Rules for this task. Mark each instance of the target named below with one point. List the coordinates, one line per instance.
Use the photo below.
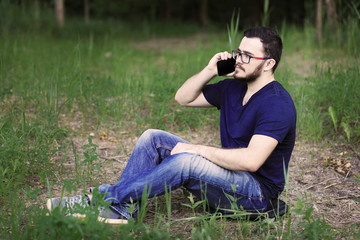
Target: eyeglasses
(245, 58)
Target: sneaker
(109, 216)
(122, 209)
(69, 202)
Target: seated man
(257, 127)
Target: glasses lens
(245, 58)
(235, 54)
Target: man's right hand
(190, 93)
(212, 65)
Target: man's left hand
(184, 147)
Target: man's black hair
(271, 40)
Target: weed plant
(107, 75)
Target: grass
(109, 75)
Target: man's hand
(190, 93)
(184, 147)
(212, 65)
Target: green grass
(111, 75)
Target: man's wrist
(211, 72)
(201, 150)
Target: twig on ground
(347, 174)
(103, 148)
(344, 197)
(333, 184)
(114, 158)
(322, 182)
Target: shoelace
(79, 200)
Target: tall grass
(325, 91)
(107, 75)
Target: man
(257, 128)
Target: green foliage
(350, 28)
(337, 90)
(232, 30)
(266, 15)
(193, 205)
(312, 227)
(91, 161)
(104, 74)
(26, 147)
(144, 198)
(59, 226)
(333, 116)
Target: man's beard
(252, 76)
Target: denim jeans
(151, 165)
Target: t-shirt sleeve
(213, 93)
(275, 118)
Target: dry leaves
(339, 163)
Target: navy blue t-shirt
(270, 112)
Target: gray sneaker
(72, 203)
(69, 202)
(125, 210)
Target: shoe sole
(49, 204)
(83, 216)
(101, 219)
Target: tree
(332, 18)
(87, 11)
(168, 15)
(319, 21)
(60, 12)
(203, 13)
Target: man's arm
(244, 159)
(190, 93)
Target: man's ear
(269, 64)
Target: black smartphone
(225, 66)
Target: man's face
(251, 71)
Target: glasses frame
(237, 53)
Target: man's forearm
(192, 88)
(249, 159)
(232, 159)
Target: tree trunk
(36, 13)
(203, 13)
(319, 21)
(87, 11)
(60, 12)
(332, 18)
(36, 10)
(168, 11)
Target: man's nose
(238, 60)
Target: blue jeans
(151, 164)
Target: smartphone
(225, 66)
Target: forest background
(81, 80)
